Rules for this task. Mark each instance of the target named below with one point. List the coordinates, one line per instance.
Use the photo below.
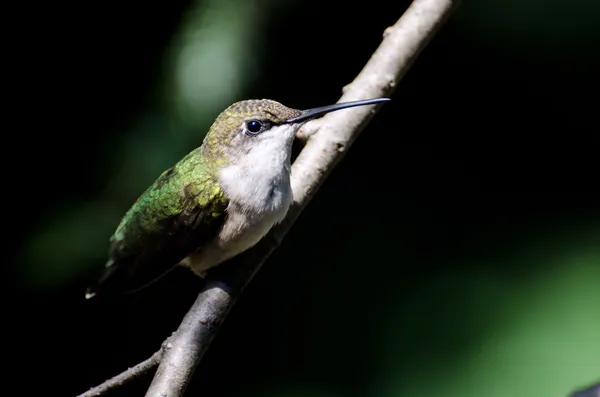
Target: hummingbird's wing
(183, 209)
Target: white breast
(258, 187)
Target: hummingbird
(215, 203)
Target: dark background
(454, 250)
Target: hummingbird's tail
(115, 279)
(107, 275)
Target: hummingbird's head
(250, 126)
(258, 128)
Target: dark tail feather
(133, 290)
(116, 279)
(100, 285)
(90, 292)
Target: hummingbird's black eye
(254, 126)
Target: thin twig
(125, 377)
(328, 140)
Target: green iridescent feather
(182, 209)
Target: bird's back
(179, 212)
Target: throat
(258, 186)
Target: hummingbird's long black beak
(316, 112)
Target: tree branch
(126, 376)
(327, 142)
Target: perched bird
(217, 201)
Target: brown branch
(126, 376)
(328, 139)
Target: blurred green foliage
(534, 337)
(554, 28)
